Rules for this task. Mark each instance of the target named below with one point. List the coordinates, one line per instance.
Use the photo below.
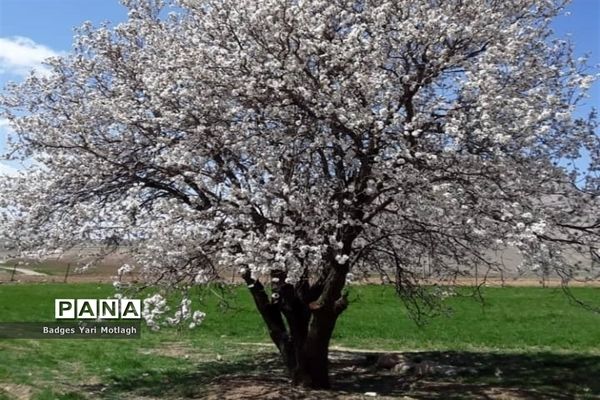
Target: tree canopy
(300, 141)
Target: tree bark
(311, 313)
(312, 363)
(312, 366)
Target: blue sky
(31, 30)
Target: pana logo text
(97, 308)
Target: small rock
(389, 360)
(371, 394)
(403, 367)
(426, 368)
(450, 371)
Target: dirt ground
(67, 270)
(107, 274)
(357, 375)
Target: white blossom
(403, 131)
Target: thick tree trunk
(312, 366)
(311, 313)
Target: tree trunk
(311, 314)
(312, 366)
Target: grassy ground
(531, 342)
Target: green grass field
(537, 338)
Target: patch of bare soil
(411, 375)
(179, 350)
(108, 278)
(423, 375)
(88, 277)
(16, 392)
(106, 274)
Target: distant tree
(299, 141)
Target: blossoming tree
(299, 141)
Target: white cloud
(19, 55)
(5, 131)
(8, 170)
